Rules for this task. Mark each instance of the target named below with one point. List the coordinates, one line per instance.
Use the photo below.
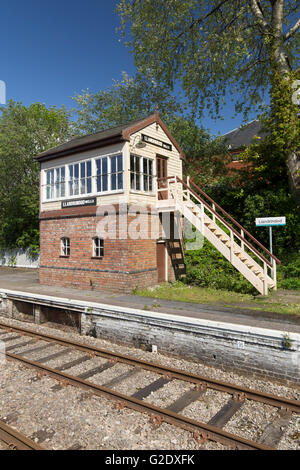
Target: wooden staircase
(176, 252)
(222, 231)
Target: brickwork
(126, 264)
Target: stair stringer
(196, 220)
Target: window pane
(138, 182)
(146, 183)
(65, 245)
(132, 180)
(82, 169)
(89, 168)
(48, 176)
(120, 163)
(105, 182)
(89, 185)
(104, 166)
(98, 247)
(120, 180)
(113, 164)
(164, 168)
(113, 182)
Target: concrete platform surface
(26, 280)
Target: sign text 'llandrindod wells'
(158, 143)
(91, 201)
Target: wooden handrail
(236, 223)
(226, 223)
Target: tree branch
(259, 15)
(292, 30)
(200, 20)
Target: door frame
(163, 242)
(161, 185)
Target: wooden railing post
(202, 218)
(274, 274)
(265, 279)
(231, 245)
(214, 217)
(242, 243)
(188, 190)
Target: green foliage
(24, 133)
(212, 48)
(205, 161)
(208, 268)
(126, 100)
(287, 341)
(258, 199)
(288, 274)
(281, 124)
(135, 97)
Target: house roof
(243, 136)
(107, 137)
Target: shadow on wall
(19, 258)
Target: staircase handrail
(246, 242)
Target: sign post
(270, 222)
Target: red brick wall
(126, 263)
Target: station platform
(26, 280)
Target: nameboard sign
(158, 143)
(270, 221)
(79, 202)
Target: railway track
(139, 400)
(14, 440)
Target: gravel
(67, 417)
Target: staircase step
(220, 235)
(249, 264)
(175, 251)
(254, 272)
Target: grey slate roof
(243, 136)
(114, 132)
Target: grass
(184, 293)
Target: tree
(126, 100)
(213, 47)
(135, 97)
(243, 47)
(24, 133)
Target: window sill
(97, 257)
(64, 256)
(144, 193)
(84, 196)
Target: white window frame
(98, 244)
(81, 181)
(110, 174)
(67, 180)
(140, 175)
(65, 247)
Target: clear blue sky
(51, 50)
